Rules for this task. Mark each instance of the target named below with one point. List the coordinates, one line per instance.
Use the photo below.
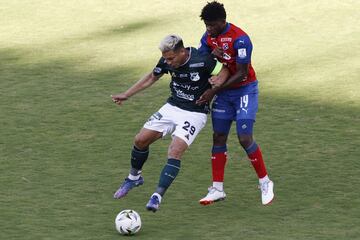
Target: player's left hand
(218, 52)
(206, 97)
(215, 81)
(119, 98)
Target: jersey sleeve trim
(203, 47)
(217, 68)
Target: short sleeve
(203, 46)
(211, 65)
(160, 68)
(243, 48)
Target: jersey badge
(157, 70)
(225, 46)
(194, 76)
(226, 56)
(242, 52)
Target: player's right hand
(215, 81)
(218, 52)
(119, 98)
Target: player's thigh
(222, 107)
(222, 114)
(188, 125)
(146, 137)
(161, 121)
(246, 103)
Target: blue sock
(168, 174)
(138, 158)
(252, 148)
(219, 149)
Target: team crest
(225, 46)
(194, 76)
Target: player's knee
(177, 149)
(245, 140)
(219, 139)
(175, 153)
(140, 142)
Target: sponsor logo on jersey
(218, 110)
(181, 94)
(194, 76)
(183, 75)
(226, 39)
(195, 65)
(156, 116)
(157, 70)
(226, 56)
(242, 52)
(225, 46)
(169, 175)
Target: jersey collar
(187, 60)
(226, 28)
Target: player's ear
(182, 51)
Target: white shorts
(177, 122)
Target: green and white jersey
(189, 81)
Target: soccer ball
(128, 222)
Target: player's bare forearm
(140, 85)
(239, 76)
(219, 79)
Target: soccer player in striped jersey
(236, 99)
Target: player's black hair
(213, 11)
(179, 45)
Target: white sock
(264, 179)
(132, 177)
(219, 186)
(158, 195)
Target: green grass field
(65, 147)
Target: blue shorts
(238, 105)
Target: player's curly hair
(213, 11)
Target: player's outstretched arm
(143, 83)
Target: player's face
(215, 28)
(175, 58)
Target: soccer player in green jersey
(182, 116)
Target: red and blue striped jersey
(237, 48)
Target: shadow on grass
(61, 131)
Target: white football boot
(213, 195)
(267, 192)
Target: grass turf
(65, 146)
